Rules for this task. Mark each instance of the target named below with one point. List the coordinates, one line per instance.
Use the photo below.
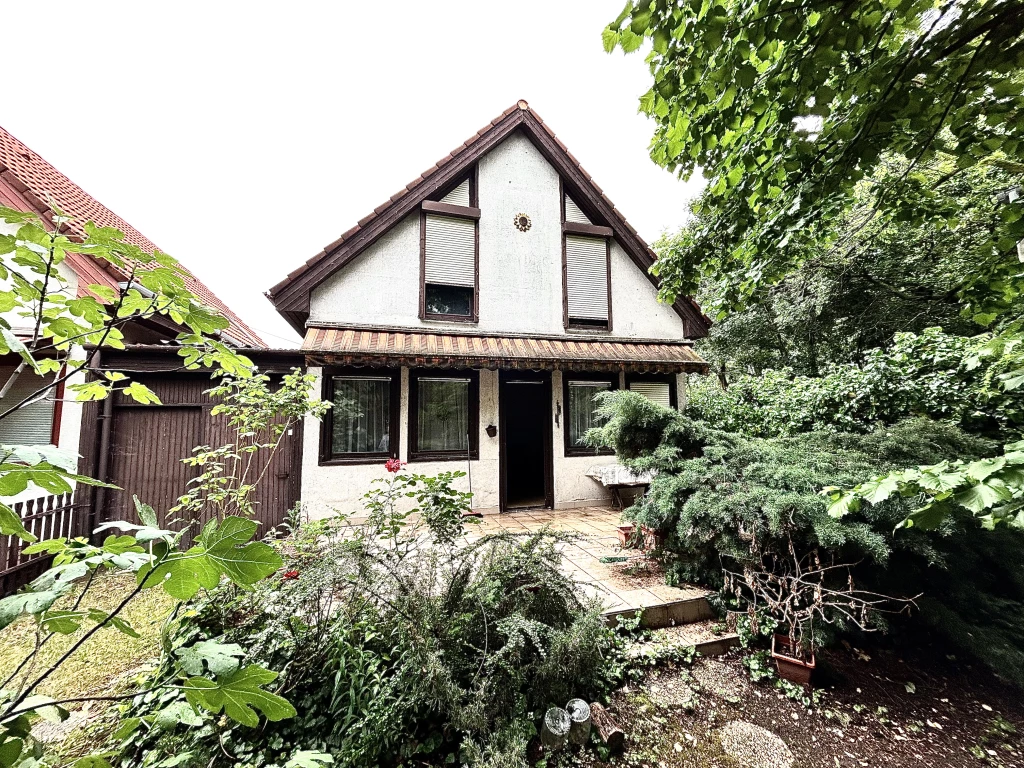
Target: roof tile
(357, 346)
(44, 185)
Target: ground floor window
(362, 424)
(658, 388)
(443, 414)
(581, 410)
(34, 423)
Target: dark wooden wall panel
(149, 442)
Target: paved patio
(636, 583)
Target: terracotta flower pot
(793, 664)
(625, 533)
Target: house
(468, 322)
(30, 183)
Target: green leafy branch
(991, 490)
(224, 549)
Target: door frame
(544, 377)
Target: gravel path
(753, 746)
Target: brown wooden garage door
(148, 443)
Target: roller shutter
(32, 425)
(573, 212)
(459, 195)
(586, 277)
(449, 255)
(656, 391)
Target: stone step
(701, 635)
(669, 614)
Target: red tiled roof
(291, 295)
(28, 182)
(355, 346)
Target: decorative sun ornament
(522, 222)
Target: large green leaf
(982, 496)
(27, 603)
(929, 517)
(879, 488)
(982, 468)
(10, 750)
(240, 695)
(11, 525)
(178, 712)
(220, 658)
(222, 549)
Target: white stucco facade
(329, 489)
(520, 293)
(520, 272)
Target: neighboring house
(29, 183)
(468, 322)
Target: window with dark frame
(32, 424)
(579, 393)
(449, 245)
(444, 409)
(586, 270)
(362, 424)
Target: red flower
(290, 575)
(393, 465)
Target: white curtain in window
(361, 415)
(582, 408)
(442, 419)
(33, 424)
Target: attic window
(587, 288)
(459, 195)
(586, 270)
(448, 251)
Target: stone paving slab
(636, 583)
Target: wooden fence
(49, 517)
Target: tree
(839, 303)
(790, 107)
(62, 323)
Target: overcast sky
(243, 137)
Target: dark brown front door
(524, 402)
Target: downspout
(10, 382)
(99, 493)
(100, 496)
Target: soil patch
(880, 707)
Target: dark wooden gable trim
(291, 296)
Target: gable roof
(28, 182)
(291, 295)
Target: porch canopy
(444, 349)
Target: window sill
(571, 453)
(450, 319)
(342, 462)
(587, 329)
(447, 456)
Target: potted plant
(802, 594)
(625, 532)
